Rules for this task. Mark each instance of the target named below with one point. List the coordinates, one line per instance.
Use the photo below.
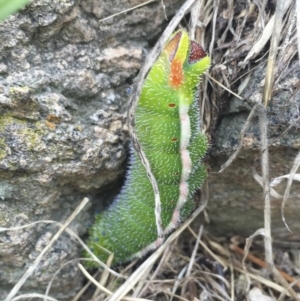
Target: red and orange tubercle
(180, 50)
(176, 51)
(196, 53)
(176, 76)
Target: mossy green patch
(6, 120)
(32, 137)
(2, 149)
(30, 133)
(18, 92)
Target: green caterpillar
(168, 130)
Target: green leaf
(8, 7)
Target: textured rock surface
(63, 81)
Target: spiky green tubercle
(168, 130)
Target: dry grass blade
(193, 258)
(144, 287)
(225, 88)
(217, 288)
(298, 26)
(286, 130)
(266, 190)
(55, 275)
(285, 293)
(176, 296)
(259, 180)
(255, 275)
(278, 180)
(102, 288)
(105, 274)
(218, 277)
(214, 22)
(31, 269)
(273, 51)
(210, 252)
(83, 290)
(93, 280)
(264, 145)
(230, 10)
(127, 10)
(195, 12)
(266, 35)
(242, 134)
(33, 295)
(287, 39)
(177, 282)
(246, 251)
(267, 203)
(288, 187)
(142, 282)
(264, 281)
(138, 274)
(73, 235)
(232, 292)
(164, 9)
(262, 263)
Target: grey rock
(236, 199)
(63, 102)
(63, 133)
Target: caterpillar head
(187, 60)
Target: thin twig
(224, 87)
(127, 10)
(33, 295)
(101, 287)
